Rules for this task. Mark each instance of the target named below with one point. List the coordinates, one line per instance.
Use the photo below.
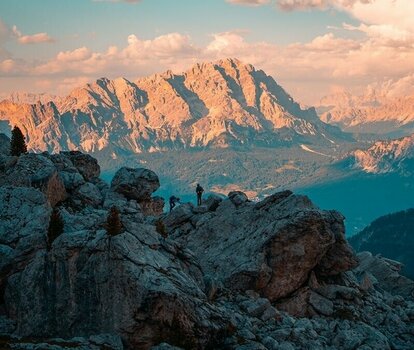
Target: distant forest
(392, 236)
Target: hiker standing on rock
(199, 191)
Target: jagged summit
(213, 104)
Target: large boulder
(35, 170)
(278, 243)
(136, 184)
(86, 164)
(88, 194)
(133, 285)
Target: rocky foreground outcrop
(229, 274)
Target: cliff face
(216, 104)
(228, 274)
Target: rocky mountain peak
(213, 104)
(387, 156)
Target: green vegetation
(160, 228)
(113, 222)
(56, 226)
(392, 236)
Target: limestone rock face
(212, 104)
(24, 218)
(136, 184)
(278, 242)
(386, 157)
(4, 144)
(233, 274)
(86, 165)
(386, 273)
(31, 170)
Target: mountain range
(217, 104)
(377, 111)
(387, 156)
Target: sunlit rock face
(387, 156)
(216, 104)
(273, 274)
(374, 111)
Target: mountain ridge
(215, 104)
(378, 110)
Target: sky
(311, 47)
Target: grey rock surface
(136, 184)
(34, 170)
(86, 164)
(277, 245)
(232, 274)
(4, 145)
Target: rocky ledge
(229, 274)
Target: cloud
(248, 2)
(32, 39)
(292, 5)
(36, 39)
(307, 69)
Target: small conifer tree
(160, 228)
(17, 143)
(113, 222)
(56, 226)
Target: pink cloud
(36, 39)
(307, 69)
(248, 2)
(32, 39)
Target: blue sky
(54, 45)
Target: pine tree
(113, 222)
(17, 143)
(56, 226)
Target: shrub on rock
(56, 226)
(113, 222)
(160, 228)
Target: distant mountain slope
(392, 236)
(32, 98)
(387, 156)
(216, 104)
(378, 112)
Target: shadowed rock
(136, 184)
(86, 165)
(33, 170)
